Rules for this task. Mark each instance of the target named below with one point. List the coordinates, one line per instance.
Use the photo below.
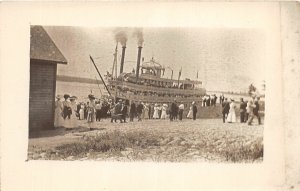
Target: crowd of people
(68, 112)
(211, 100)
(248, 110)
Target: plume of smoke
(138, 33)
(121, 36)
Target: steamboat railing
(159, 90)
(155, 99)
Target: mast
(100, 75)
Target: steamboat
(147, 83)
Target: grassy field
(203, 140)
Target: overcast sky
(228, 59)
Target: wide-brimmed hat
(73, 97)
(91, 96)
(66, 96)
(59, 96)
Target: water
(80, 90)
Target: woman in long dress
(67, 111)
(164, 111)
(231, 118)
(190, 113)
(155, 115)
(73, 118)
(81, 112)
(91, 109)
(146, 110)
(151, 110)
(58, 117)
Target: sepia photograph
(154, 95)
(158, 94)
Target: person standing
(67, 111)
(117, 111)
(253, 108)
(81, 111)
(180, 113)
(146, 108)
(243, 106)
(190, 113)
(256, 110)
(139, 111)
(98, 111)
(78, 109)
(231, 118)
(91, 112)
(58, 116)
(144, 111)
(225, 109)
(164, 111)
(215, 100)
(176, 112)
(124, 111)
(195, 110)
(212, 100)
(159, 110)
(151, 111)
(155, 114)
(208, 101)
(204, 101)
(73, 117)
(86, 106)
(132, 111)
(173, 110)
(250, 107)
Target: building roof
(43, 48)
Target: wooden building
(44, 57)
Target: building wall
(42, 95)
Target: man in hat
(132, 111)
(67, 111)
(254, 108)
(225, 109)
(243, 106)
(118, 111)
(181, 108)
(173, 109)
(124, 111)
(98, 111)
(139, 111)
(195, 110)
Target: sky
(227, 59)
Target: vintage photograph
(147, 94)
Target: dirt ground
(206, 140)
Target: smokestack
(138, 62)
(122, 59)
